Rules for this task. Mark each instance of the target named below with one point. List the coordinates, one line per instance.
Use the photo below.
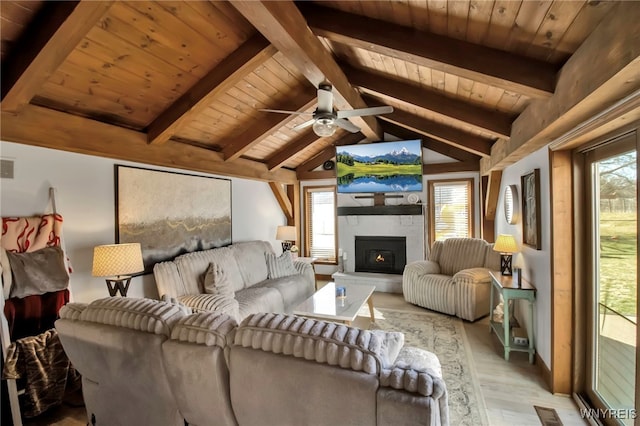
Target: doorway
(612, 278)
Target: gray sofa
(148, 362)
(245, 266)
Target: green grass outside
(361, 169)
(618, 265)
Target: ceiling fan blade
(365, 111)
(347, 125)
(303, 125)
(325, 99)
(281, 111)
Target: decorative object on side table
(506, 245)
(117, 261)
(286, 234)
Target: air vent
(6, 169)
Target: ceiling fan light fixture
(324, 127)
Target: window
(320, 222)
(450, 209)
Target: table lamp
(117, 261)
(286, 234)
(506, 245)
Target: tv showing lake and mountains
(380, 167)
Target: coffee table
(325, 305)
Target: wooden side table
(509, 290)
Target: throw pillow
(216, 281)
(281, 266)
(37, 272)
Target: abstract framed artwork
(531, 226)
(171, 213)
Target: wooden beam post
(562, 276)
(283, 200)
(493, 194)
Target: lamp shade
(114, 260)
(286, 233)
(505, 243)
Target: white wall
(536, 263)
(85, 198)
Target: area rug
(445, 336)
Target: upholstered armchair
(455, 280)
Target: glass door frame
(597, 152)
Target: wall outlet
(519, 336)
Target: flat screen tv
(380, 167)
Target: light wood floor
(510, 389)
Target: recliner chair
(455, 280)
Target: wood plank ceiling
(181, 83)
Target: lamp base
(505, 264)
(118, 285)
(286, 245)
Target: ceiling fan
(326, 120)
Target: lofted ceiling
(182, 83)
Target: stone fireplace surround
(393, 221)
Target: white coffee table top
(324, 303)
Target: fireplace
(387, 255)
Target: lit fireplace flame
(379, 258)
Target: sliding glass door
(611, 180)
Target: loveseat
(455, 280)
(149, 362)
(250, 278)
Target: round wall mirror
(511, 204)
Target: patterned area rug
(444, 336)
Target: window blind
(451, 209)
(320, 223)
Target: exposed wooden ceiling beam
(277, 159)
(585, 88)
(47, 128)
(462, 166)
(329, 152)
(489, 120)
(451, 135)
(497, 68)
(317, 175)
(218, 81)
(430, 143)
(268, 123)
(282, 23)
(55, 31)
(493, 193)
(283, 199)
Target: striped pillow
(216, 281)
(281, 266)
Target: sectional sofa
(148, 362)
(255, 284)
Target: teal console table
(504, 285)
